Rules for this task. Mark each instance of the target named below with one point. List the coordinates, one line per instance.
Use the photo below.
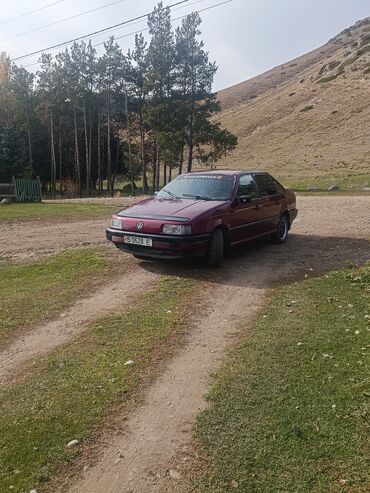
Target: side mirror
(243, 199)
(155, 194)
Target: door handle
(258, 206)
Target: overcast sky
(245, 37)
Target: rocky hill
(307, 121)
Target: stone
(175, 474)
(333, 188)
(312, 188)
(72, 443)
(129, 363)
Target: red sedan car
(203, 213)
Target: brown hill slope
(307, 120)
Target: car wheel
(216, 249)
(282, 231)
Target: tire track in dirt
(156, 436)
(36, 343)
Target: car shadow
(262, 264)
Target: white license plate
(137, 240)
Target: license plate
(137, 240)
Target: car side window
(266, 185)
(279, 188)
(247, 186)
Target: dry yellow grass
(308, 119)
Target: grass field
(67, 396)
(348, 183)
(289, 412)
(35, 291)
(38, 211)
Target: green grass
(72, 390)
(346, 183)
(35, 291)
(38, 211)
(289, 412)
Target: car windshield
(199, 187)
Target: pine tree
(48, 98)
(136, 76)
(21, 84)
(197, 102)
(13, 157)
(161, 59)
(111, 77)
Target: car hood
(175, 209)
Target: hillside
(309, 119)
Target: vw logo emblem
(140, 225)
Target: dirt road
(150, 452)
(321, 215)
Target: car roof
(225, 172)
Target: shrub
(330, 77)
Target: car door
(272, 197)
(246, 215)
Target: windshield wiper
(171, 194)
(196, 197)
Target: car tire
(216, 249)
(282, 231)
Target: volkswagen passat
(202, 213)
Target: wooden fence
(7, 191)
(22, 190)
(27, 190)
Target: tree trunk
(142, 151)
(100, 182)
(115, 167)
(77, 154)
(191, 136)
(157, 168)
(154, 164)
(129, 146)
(53, 160)
(165, 174)
(30, 157)
(87, 159)
(109, 153)
(60, 158)
(169, 174)
(181, 163)
(90, 144)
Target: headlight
(116, 223)
(176, 229)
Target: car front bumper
(163, 246)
